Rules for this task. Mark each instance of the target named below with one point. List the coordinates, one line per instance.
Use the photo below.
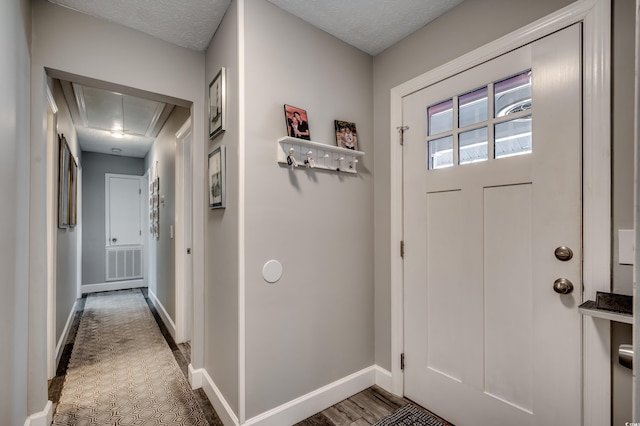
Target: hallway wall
(95, 165)
(315, 325)
(221, 292)
(15, 38)
(163, 152)
(67, 238)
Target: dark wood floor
(364, 408)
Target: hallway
(121, 366)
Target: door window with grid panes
(490, 122)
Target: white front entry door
(123, 210)
(492, 186)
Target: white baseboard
(113, 285)
(166, 319)
(223, 409)
(384, 379)
(43, 418)
(65, 333)
(292, 411)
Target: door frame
(183, 290)
(595, 15)
(52, 230)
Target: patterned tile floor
(112, 374)
(364, 408)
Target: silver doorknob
(563, 253)
(562, 286)
(113, 240)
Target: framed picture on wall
(217, 195)
(346, 135)
(297, 122)
(63, 182)
(217, 89)
(73, 192)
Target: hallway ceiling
(369, 25)
(99, 114)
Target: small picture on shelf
(297, 122)
(346, 135)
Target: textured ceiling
(189, 24)
(370, 25)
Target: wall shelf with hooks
(296, 152)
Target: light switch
(625, 246)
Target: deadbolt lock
(563, 253)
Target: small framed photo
(346, 135)
(217, 89)
(217, 195)
(297, 122)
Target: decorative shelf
(323, 156)
(609, 306)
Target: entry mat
(409, 415)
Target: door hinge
(140, 191)
(401, 130)
(141, 232)
(402, 249)
(402, 361)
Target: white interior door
(492, 186)
(184, 297)
(123, 210)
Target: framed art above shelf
(295, 152)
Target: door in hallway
(123, 210)
(492, 187)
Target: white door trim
(52, 230)
(595, 16)
(636, 222)
(180, 236)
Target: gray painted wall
(94, 167)
(15, 38)
(67, 238)
(163, 153)
(221, 226)
(315, 325)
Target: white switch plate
(625, 247)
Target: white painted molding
(51, 102)
(292, 411)
(113, 285)
(218, 401)
(43, 418)
(65, 332)
(182, 166)
(596, 346)
(166, 319)
(384, 379)
(307, 405)
(635, 408)
(596, 18)
(195, 377)
(241, 214)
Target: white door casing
(483, 327)
(183, 278)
